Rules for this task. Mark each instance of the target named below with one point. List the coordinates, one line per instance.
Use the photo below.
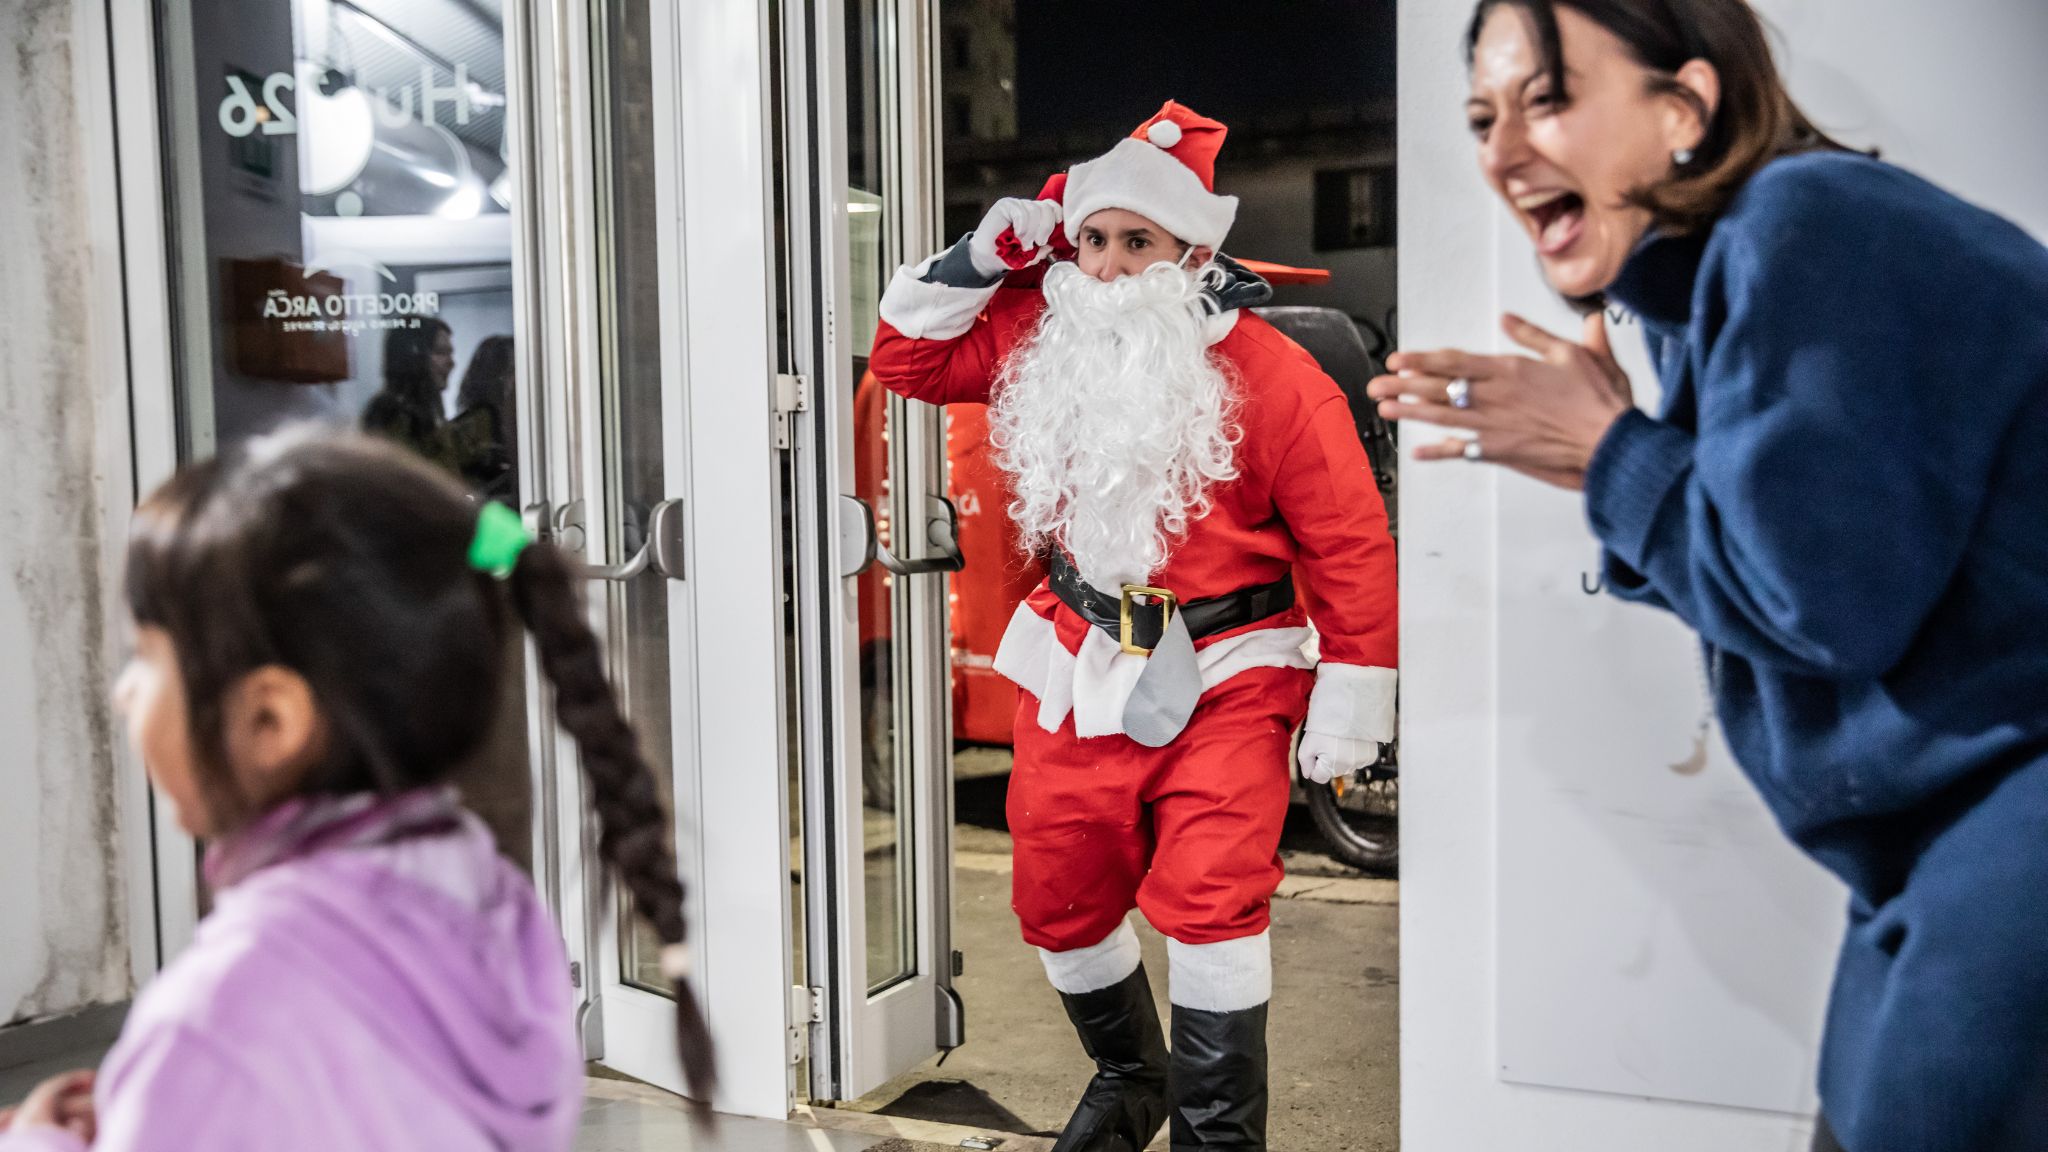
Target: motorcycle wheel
(1363, 827)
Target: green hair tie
(500, 538)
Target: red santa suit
(1151, 769)
(1187, 832)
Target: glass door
(669, 374)
(340, 241)
(626, 448)
(858, 161)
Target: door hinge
(806, 1008)
(575, 973)
(792, 395)
(959, 964)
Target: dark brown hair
(407, 372)
(489, 373)
(1755, 122)
(346, 560)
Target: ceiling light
(336, 132)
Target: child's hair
(346, 560)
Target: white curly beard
(1113, 421)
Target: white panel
(744, 830)
(1658, 935)
(1952, 89)
(1574, 910)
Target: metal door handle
(860, 545)
(661, 549)
(634, 565)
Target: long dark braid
(347, 560)
(632, 823)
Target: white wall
(1575, 913)
(63, 943)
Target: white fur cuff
(1353, 701)
(1227, 976)
(1095, 967)
(928, 311)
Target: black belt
(1138, 618)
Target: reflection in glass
(483, 434)
(417, 363)
(342, 242)
(343, 223)
(883, 614)
(629, 318)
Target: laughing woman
(1846, 495)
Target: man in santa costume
(1175, 460)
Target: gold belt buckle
(1131, 592)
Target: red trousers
(1188, 833)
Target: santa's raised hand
(1030, 222)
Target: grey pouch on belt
(1167, 691)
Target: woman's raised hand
(1542, 417)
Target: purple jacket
(388, 993)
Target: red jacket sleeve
(945, 345)
(1324, 489)
(961, 370)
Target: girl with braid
(321, 629)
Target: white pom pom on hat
(1165, 172)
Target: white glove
(1033, 221)
(1324, 758)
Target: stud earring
(1682, 157)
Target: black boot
(1126, 1102)
(1219, 1079)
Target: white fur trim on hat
(1166, 134)
(1140, 177)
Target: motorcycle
(1358, 816)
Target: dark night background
(1100, 67)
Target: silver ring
(1459, 393)
(1473, 451)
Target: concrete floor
(622, 1116)
(1334, 1033)
(1335, 1024)
(617, 1122)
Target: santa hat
(1165, 171)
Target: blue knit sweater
(1847, 497)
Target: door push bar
(861, 546)
(661, 546)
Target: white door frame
(133, 431)
(712, 183)
(738, 829)
(162, 863)
(860, 1041)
